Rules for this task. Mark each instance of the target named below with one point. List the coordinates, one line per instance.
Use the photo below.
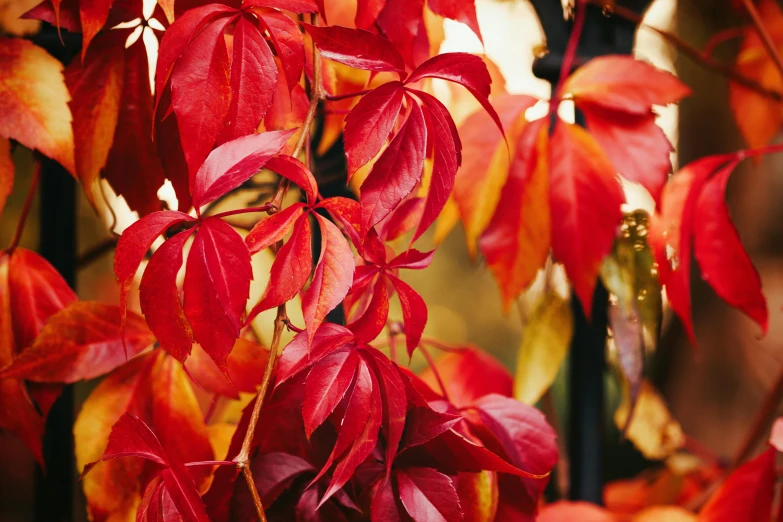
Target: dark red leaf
(424, 424)
(160, 301)
(397, 170)
(367, 327)
(356, 48)
(275, 473)
(385, 504)
(92, 15)
(400, 22)
(332, 277)
(468, 70)
(428, 495)
(201, 94)
(36, 291)
(253, 80)
(296, 6)
(414, 313)
(290, 270)
(288, 42)
(270, 230)
(722, 259)
(233, 163)
(325, 387)
(367, 12)
(300, 353)
(82, 341)
(447, 155)
(294, 170)
(217, 285)
(134, 243)
(370, 123)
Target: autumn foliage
(324, 420)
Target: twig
(338, 97)
(262, 208)
(570, 53)
(691, 52)
(26, 208)
(766, 39)
(243, 458)
(96, 252)
(435, 372)
(548, 406)
(721, 37)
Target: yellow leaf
(664, 514)
(478, 495)
(544, 347)
(652, 429)
(447, 220)
(34, 101)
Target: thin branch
(262, 208)
(722, 37)
(26, 208)
(243, 458)
(338, 97)
(691, 52)
(95, 252)
(766, 39)
(435, 372)
(570, 53)
(761, 423)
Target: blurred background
(714, 398)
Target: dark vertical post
(55, 488)
(602, 34)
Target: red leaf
(671, 232)
(524, 437)
(36, 292)
(624, 84)
(385, 504)
(160, 301)
(470, 374)
(428, 496)
(393, 397)
(412, 259)
(301, 353)
(92, 15)
(722, 259)
(402, 219)
(217, 285)
(325, 387)
(747, 494)
(468, 70)
(414, 313)
(585, 199)
(396, 171)
(296, 6)
(270, 230)
(276, 472)
(348, 212)
(356, 48)
(463, 11)
(288, 42)
(516, 241)
(130, 437)
(294, 170)
(200, 93)
(179, 36)
(370, 123)
(134, 243)
(233, 163)
(332, 278)
(424, 424)
(82, 341)
(400, 22)
(367, 12)
(290, 270)
(371, 323)
(253, 80)
(359, 430)
(6, 172)
(636, 146)
(447, 155)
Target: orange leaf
(585, 198)
(34, 101)
(574, 511)
(625, 84)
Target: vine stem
(570, 53)
(26, 209)
(435, 372)
(690, 51)
(242, 460)
(262, 208)
(338, 97)
(766, 39)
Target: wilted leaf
(653, 430)
(545, 342)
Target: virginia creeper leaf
(428, 495)
(356, 48)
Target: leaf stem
(691, 52)
(338, 97)
(210, 463)
(243, 458)
(766, 39)
(435, 372)
(569, 55)
(26, 208)
(262, 208)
